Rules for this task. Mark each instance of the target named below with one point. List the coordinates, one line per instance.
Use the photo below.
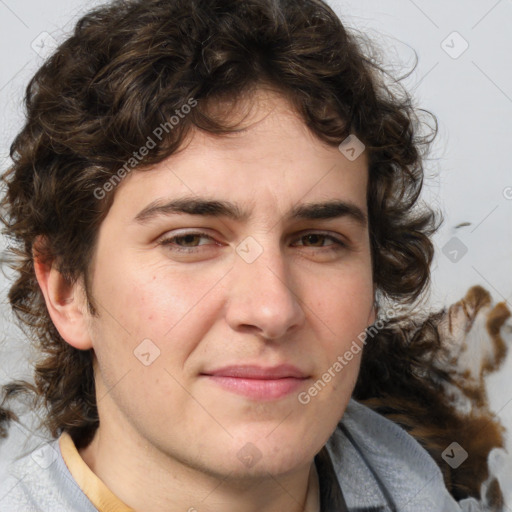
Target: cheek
(172, 311)
(146, 301)
(344, 305)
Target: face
(214, 324)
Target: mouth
(258, 383)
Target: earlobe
(64, 301)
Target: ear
(65, 302)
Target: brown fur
(429, 377)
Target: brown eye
(314, 239)
(317, 240)
(186, 242)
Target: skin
(168, 436)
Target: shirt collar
(331, 496)
(94, 488)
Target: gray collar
(378, 466)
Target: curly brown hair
(125, 70)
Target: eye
(191, 242)
(186, 242)
(319, 238)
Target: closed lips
(258, 383)
(258, 372)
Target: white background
(469, 174)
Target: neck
(148, 480)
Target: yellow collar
(94, 488)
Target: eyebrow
(194, 205)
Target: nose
(262, 298)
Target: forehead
(272, 161)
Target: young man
(208, 197)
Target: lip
(257, 382)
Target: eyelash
(336, 246)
